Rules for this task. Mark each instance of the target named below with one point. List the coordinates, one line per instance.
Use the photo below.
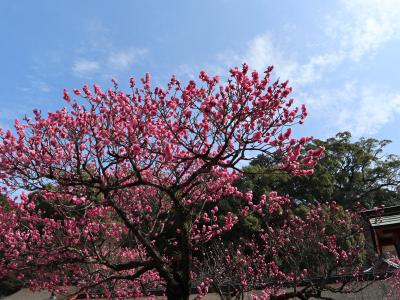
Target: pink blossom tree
(134, 180)
(305, 253)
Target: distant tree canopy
(350, 172)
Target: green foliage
(4, 202)
(350, 172)
(251, 224)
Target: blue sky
(341, 57)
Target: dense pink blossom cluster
(287, 250)
(134, 179)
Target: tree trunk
(177, 291)
(180, 287)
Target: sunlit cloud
(85, 67)
(357, 31)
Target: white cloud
(85, 67)
(35, 84)
(363, 26)
(354, 107)
(108, 63)
(356, 31)
(123, 59)
(187, 71)
(359, 28)
(41, 85)
(261, 52)
(97, 54)
(376, 109)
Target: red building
(385, 229)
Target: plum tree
(134, 180)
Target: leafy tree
(137, 179)
(350, 172)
